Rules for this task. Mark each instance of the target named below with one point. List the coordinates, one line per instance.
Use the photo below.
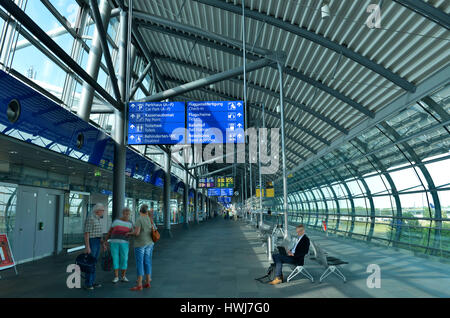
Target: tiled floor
(222, 258)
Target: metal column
(259, 170)
(93, 63)
(203, 204)
(195, 206)
(166, 196)
(186, 201)
(119, 124)
(245, 94)
(283, 151)
(242, 197)
(245, 184)
(208, 200)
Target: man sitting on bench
(295, 256)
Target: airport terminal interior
(234, 121)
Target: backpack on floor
(270, 275)
(86, 263)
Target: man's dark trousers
(280, 260)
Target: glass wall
(8, 198)
(75, 212)
(389, 184)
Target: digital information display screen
(224, 182)
(206, 182)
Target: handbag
(107, 260)
(155, 234)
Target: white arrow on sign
(239, 114)
(132, 137)
(132, 116)
(239, 125)
(239, 104)
(132, 126)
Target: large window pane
(440, 172)
(8, 197)
(74, 219)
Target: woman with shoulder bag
(143, 248)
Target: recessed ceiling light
(46, 161)
(13, 152)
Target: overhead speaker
(80, 140)
(13, 111)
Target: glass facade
(8, 201)
(390, 184)
(75, 211)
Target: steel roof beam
(288, 71)
(428, 11)
(264, 90)
(215, 171)
(197, 31)
(238, 81)
(172, 92)
(145, 50)
(140, 79)
(294, 124)
(34, 29)
(432, 83)
(316, 38)
(105, 49)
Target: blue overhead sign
(156, 123)
(215, 122)
(224, 199)
(220, 192)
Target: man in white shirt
(295, 255)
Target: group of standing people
(118, 238)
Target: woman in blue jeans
(143, 248)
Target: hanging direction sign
(217, 192)
(156, 123)
(224, 199)
(215, 122)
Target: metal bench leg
(307, 274)
(325, 274)
(300, 270)
(330, 270)
(293, 273)
(339, 273)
